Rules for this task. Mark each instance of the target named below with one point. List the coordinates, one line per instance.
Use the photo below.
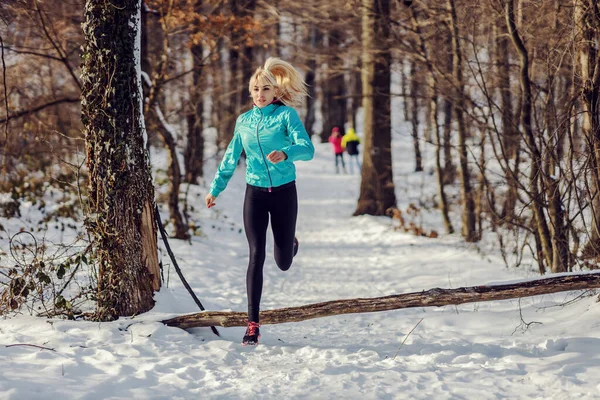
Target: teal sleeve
(227, 166)
(302, 148)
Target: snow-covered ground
(533, 348)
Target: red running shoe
(252, 334)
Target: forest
(506, 92)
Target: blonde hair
(284, 77)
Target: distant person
(336, 142)
(273, 137)
(350, 142)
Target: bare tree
(414, 115)
(310, 80)
(334, 92)
(432, 117)
(194, 149)
(542, 232)
(157, 121)
(510, 138)
(587, 28)
(377, 185)
(468, 205)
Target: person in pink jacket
(336, 142)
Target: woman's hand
(276, 156)
(210, 200)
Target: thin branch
(22, 113)
(58, 49)
(5, 90)
(33, 53)
(523, 326)
(30, 345)
(401, 344)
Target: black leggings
(282, 205)
(341, 157)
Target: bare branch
(33, 53)
(58, 49)
(5, 89)
(22, 113)
(30, 345)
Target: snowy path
(464, 352)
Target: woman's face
(262, 93)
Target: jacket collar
(266, 110)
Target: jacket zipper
(261, 150)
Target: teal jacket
(259, 132)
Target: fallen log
(434, 297)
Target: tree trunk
(510, 135)
(587, 15)
(145, 62)
(334, 94)
(556, 209)
(246, 10)
(180, 229)
(448, 109)
(510, 138)
(377, 185)
(193, 156)
(466, 191)
(433, 123)
(310, 80)
(157, 122)
(148, 45)
(194, 151)
(431, 298)
(232, 106)
(541, 225)
(449, 167)
(414, 116)
(121, 197)
(356, 87)
(481, 199)
(221, 80)
(439, 171)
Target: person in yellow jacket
(350, 142)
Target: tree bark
(377, 185)
(468, 205)
(414, 115)
(449, 167)
(193, 155)
(356, 91)
(448, 109)
(433, 124)
(541, 226)
(121, 192)
(587, 16)
(180, 228)
(157, 122)
(556, 210)
(510, 138)
(246, 10)
(310, 80)
(436, 297)
(439, 171)
(232, 106)
(334, 93)
(221, 88)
